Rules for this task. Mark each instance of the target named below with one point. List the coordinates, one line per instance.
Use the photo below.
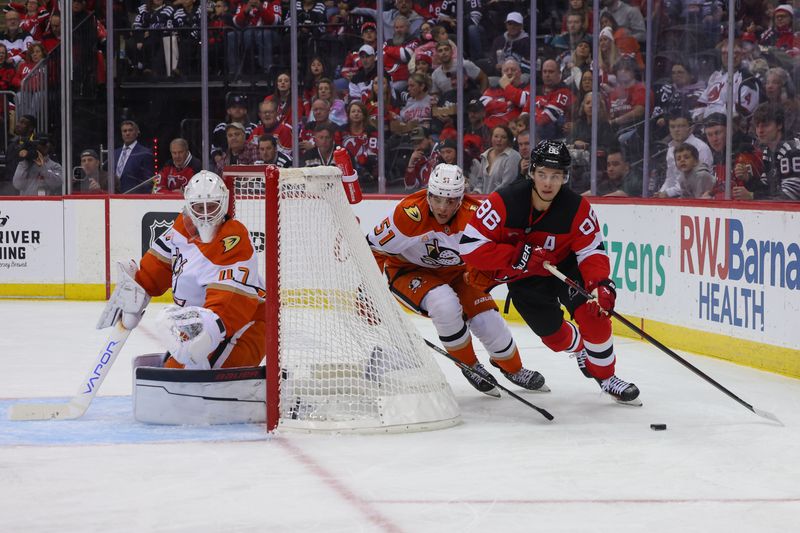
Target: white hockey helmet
(206, 199)
(447, 181)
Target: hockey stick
(583, 292)
(463, 366)
(79, 403)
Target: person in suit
(133, 162)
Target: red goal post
(341, 353)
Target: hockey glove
(479, 279)
(530, 255)
(190, 334)
(605, 294)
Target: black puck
(658, 427)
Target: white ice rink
(597, 467)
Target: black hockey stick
(583, 292)
(463, 366)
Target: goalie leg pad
(128, 300)
(190, 334)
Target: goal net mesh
(350, 358)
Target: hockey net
(348, 358)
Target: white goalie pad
(197, 397)
(128, 300)
(190, 334)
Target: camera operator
(37, 174)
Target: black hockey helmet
(551, 154)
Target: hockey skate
(622, 391)
(481, 379)
(527, 379)
(580, 357)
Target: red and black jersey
(361, 146)
(569, 230)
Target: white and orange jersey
(411, 234)
(221, 275)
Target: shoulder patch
(413, 213)
(229, 243)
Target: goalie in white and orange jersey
(417, 246)
(208, 261)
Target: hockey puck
(658, 427)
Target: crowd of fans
(337, 100)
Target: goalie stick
(583, 292)
(79, 403)
(463, 366)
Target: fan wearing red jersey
(527, 222)
(417, 246)
(208, 261)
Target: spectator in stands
(747, 90)
(7, 70)
(398, 51)
(186, 18)
(781, 34)
(360, 140)
(415, 175)
(33, 19)
(574, 33)
(476, 124)
(239, 152)
(499, 164)
(580, 130)
(16, 40)
(626, 99)
(36, 173)
(320, 112)
(780, 155)
(417, 110)
(473, 15)
(133, 162)
(444, 78)
(576, 63)
(391, 109)
(24, 133)
(779, 89)
(553, 104)
(325, 92)
(252, 38)
(681, 94)
(177, 172)
(89, 177)
(316, 71)
(619, 178)
(609, 56)
(627, 16)
(714, 129)
(696, 180)
(322, 153)
(282, 96)
(52, 34)
(524, 149)
(361, 82)
(269, 125)
(427, 45)
(680, 131)
(145, 46)
(36, 53)
(401, 7)
(514, 43)
(506, 101)
(626, 44)
(352, 61)
(268, 153)
(236, 112)
(584, 9)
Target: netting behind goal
(348, 356)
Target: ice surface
(597, 467)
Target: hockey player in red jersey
(208, 261)
(527, 222)
(417, 245)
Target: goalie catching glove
(605, 295)
(190, 334)
(128, 300)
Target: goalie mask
(206, 199)
(550, 154)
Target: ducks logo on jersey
(440, 256)
(413, 213)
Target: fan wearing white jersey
(417, 247)
(208, 261)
